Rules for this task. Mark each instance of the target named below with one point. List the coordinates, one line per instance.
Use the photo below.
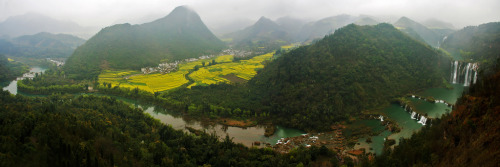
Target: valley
(341, 90)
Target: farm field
(229, 72)
(225, 71)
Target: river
(12, 85)
(249, 135)
(246, 136)
(402, 118)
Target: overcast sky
(102, 13)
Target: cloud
(213, 12)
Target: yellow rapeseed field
(239, 71)
(245, 69)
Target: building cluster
(162, 68)
(236, 53)
(171, 67)
(57, 62)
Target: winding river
(246, 136)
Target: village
(165, 68)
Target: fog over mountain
(223, 12)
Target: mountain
(230, 26)
(366, 21)
(291, 25)
(437, 24)
(32, 23)
(264, 33)
(320, 28)
(356, 68)
(475, 43)
(180, 35)
(41, 45)
(466, 137)
(413, 28)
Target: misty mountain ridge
(32, 23)
(421, 32)
(177, 36)
(41, 45)
(437, 24)
(263, 33)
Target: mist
(216, 13)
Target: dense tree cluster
(356, 68)
(62, 130)
(51, 81)
(10, 70)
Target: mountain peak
(182, 9)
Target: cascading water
(381, 118)
(455, 72)
(423, 120)
(466, 71)
(475, 73)
(413, 115)
(466, 79)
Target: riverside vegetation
(330, 82)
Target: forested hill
(264, 33)
(356, 68)
(180, 35)
(41, 45)
(62, 130)
(475, 43)
(419, 31)
(466, 137)
(10, 70)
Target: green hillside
(320, 28)
(356, 68)
(41, 45)
(10, 70)
(477, 43)
(264, 34)
(180, 35)
(420, 32)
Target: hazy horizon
(217, 13)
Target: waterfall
(381, 118)
(451, 72)
(413, 115)
(474, 67)
(455, 72)
(475, 77)
(466, 79)
(423, 120)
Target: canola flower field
(245, 69)
(213, 74)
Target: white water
(423, 120)
(455, 72)
(413, 115)
(466, 79)
(381, 118)
(475, 77)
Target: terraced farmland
(226, 71)
(222, 73)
